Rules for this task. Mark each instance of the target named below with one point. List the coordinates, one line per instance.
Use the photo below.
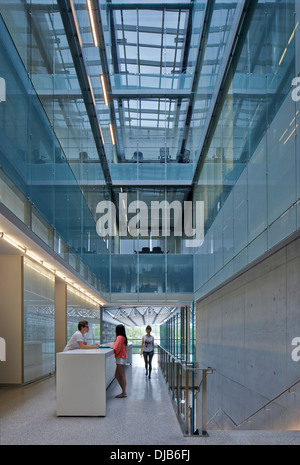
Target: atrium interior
(150, 175)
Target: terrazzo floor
(145, 417)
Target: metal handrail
(205, 372)
(258, 411)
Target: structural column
(11, 318)
(60, 315)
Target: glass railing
(151, 81)
(148, 274)
(187, 383)
(151, 171)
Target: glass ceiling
(132, 82)
(152, 79)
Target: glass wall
(81, 308)
(252, 158)
(39, 321)
(177, 334)
(176, 355)
(37, 141)
(150, 256)
(108, 331)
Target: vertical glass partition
(178, 365)
(81, 308)
(39, 321)
(249, 177)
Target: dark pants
(148, 360)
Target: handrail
(210, 370)
(205, 372)
(257, 411)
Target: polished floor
(145, 417)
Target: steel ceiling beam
(106, 74)
(243, 17)
(207, 16)
(150, 6)
(82, 75)
(126, 94)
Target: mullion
(176, 47)
(161, 57)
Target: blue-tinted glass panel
(39, 322)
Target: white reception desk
(82, 377)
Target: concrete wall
(245, 331)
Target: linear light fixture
(76, 23)
(12, 242)
(47, 267)
(33, 257)
(37, 270)
(283, 55)
(283, 135)
(92, 92)
(112, 134)
(289, 42)
(104, 89)
(293, 33)
(92, 22)
(76, 289)
(60, 275)
(39, 261)
(291, 134)
(101, 133)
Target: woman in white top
(147, 350)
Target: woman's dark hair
(120, 331)
(148, 327)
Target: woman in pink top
(120, 349)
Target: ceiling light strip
(104, 89)
(112, 134)
(92, 92)
(291, 134)
(40, 262)
(76, 23)
(13, 243)
(101, 133)
(92, 22)
(293, 33)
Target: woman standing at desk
(120, 349)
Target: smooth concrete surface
(145, 417)
(245, 332)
